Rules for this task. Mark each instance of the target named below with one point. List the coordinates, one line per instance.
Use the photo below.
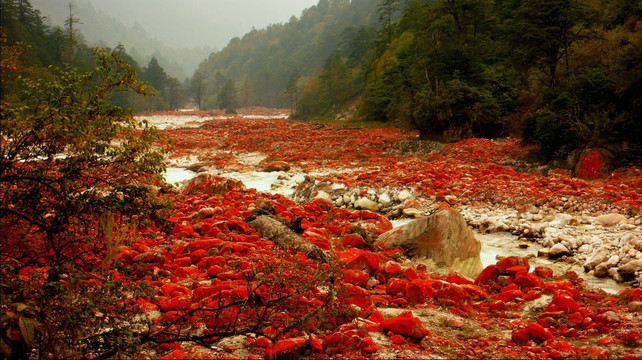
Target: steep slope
(100, 29)
(263, 61)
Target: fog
(189, 23)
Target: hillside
(262, 62)
(100, 29)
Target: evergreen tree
(228, 98)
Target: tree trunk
(284, 237)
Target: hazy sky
(186, 23)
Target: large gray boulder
(442, 239)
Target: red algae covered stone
(407, 325)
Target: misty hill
(262, 62)
(103, 30)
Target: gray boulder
(443, 238)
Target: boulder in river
(210, 184)
(442, 238)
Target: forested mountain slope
(263, 62)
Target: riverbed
(494, 245)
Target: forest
(365, 120)
(562, 74)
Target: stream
(494, 245)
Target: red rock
(355, 277)
(520, 337)
(337, 342)
(508, 262)
(593, 163)
(263, 342)
(196, 256)
(528, 281)
(315, 344)
(458, 279)
(354, 295)
(509, 295)
(516, 270)
(407, 325)
(532, 295)
(396, 286)
(286, 349)
(391, 268)
(170, 288)
(488, 276)
(353, 240)
(538, 333)
(598, 352)
(396, 339)
(419, 291)
(563, 302)
(553, 287)
(367, 345)
(630, 295)
(444, 290)
(544, 271)
(176, 354)
(359, 259)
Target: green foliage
(228, 98)
(67, 158)
(263, 60)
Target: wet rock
(614, 274)
(630, 268)
(612, 261)
(277, 166)
(601, 271)
(597, 258)
(610, 219)
(558, 250)
(442, 237)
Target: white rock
(585, 249)
(324, 196)
(558, 250)
(339, 201)
(610, 219)
(338, 186)
(561, 220)
(413, 212)
(384, 199)
(404, 195)
(366, 204)
(612, 261)
(596, 259)
(346, 199)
